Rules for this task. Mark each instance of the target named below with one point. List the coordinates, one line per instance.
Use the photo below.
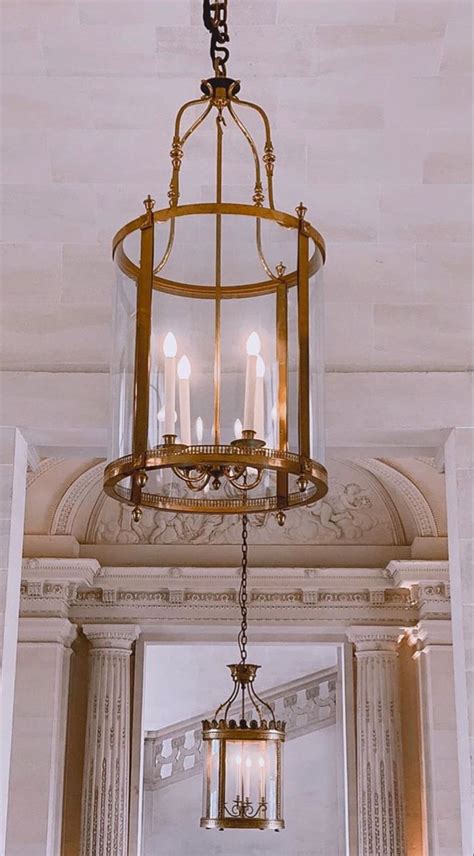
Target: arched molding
(42, 469)
(71, 501)
(416, 501)
(83, 498)
(399, 536)
(94, 518)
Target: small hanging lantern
(243, 743)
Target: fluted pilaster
(105, 793)
(379, 742)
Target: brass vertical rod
(282, 358)
(303, 341)
(218, 283)
(142, 342)
(221, 782)
(278, 779)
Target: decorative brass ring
(269, 286)
(225, 733)
(162, 458)
(239, 823)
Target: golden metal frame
(224, 729)
(190, 462)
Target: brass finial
(280, 270)
(149, 203)
(301, 211)
(136, 514)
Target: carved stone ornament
(359, 509)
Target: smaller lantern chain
(243, 591)
(214, 15)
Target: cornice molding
(415, 571)
(81, 590)
(430, 634)
(67, 570)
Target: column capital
(428, 633)
(47, 629)
(111, 636)
(370, 639)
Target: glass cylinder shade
(217, 368)
(242, 786)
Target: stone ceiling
(371, 108)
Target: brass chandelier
(217, 386)
(255, 442)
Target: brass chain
(214, 15)
(243, 592)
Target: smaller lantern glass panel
(210, 801)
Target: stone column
(379, 742)
(39, 736)
(434, 659)
(105, 794)
(459, 464)
(13, 459)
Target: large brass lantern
(217, 367)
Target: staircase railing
(175, 753)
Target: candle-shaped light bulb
(184, 368)
(253, 350)
(184, 373)
(253, 344)
(199, 428)
(170, 347)
(237, 429)
(261, 764)
(248, 765)
(238, 775)
(260, 398)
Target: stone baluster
(105, 794)
(379, 742)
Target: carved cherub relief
(347, 509)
